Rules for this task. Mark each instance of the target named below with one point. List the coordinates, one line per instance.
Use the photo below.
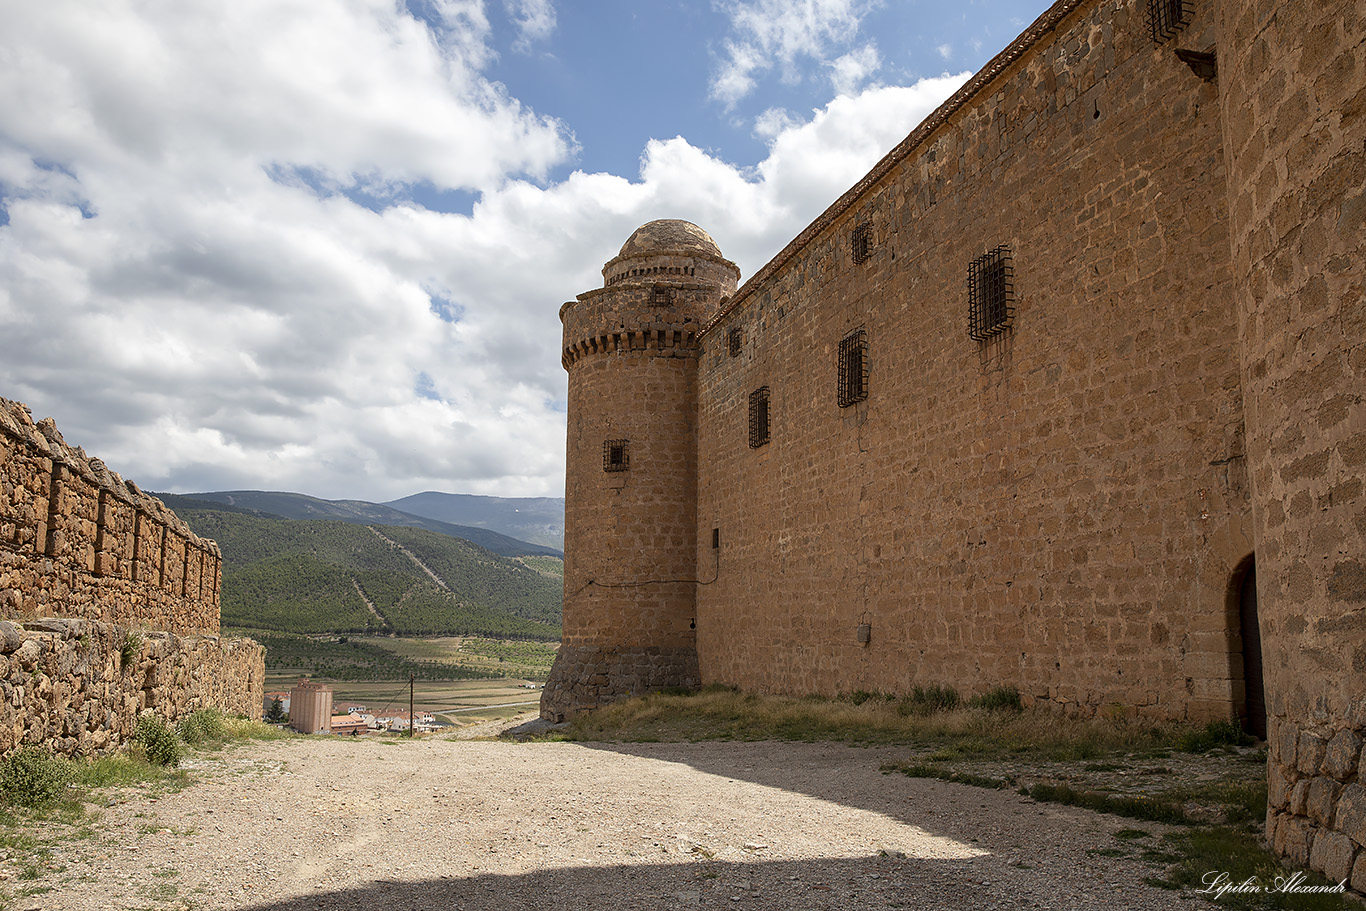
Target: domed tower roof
(669, 235)
(671, 250)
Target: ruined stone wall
(1293, 91)
(76, 540)
(1061, 507)
(108, 603)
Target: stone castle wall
(108, 602)
(1293, 89)
(76, 540)
(1155, 468)
(1061, 508)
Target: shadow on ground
(957, 811)
(863, 884)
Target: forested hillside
(326, 576)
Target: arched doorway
(1254, 715)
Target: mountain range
(509, 526)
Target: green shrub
(926, 700)
(158, 742)
(203, 726)
(998, 699)
(31, 777)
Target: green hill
(315, 576)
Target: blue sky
(321, 247)
(622, 73)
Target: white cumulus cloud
(779, 33)
(214, 276)
(535, 21)
(850, 71)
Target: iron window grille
(862, 242)
(660, 296)
(734, 339)
(616, 455)
(853, 375)
(991, 293)
(1167, 17)
(758, 417)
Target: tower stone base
(587, 677)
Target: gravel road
(329, 823)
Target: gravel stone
(329, 823)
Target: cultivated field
(452, 701)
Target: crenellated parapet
(663, 340)
(78, 541)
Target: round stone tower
(631, 469)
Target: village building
(311, 707)
(349, 724)
(1065, 395)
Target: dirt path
(370, 605)
(330, 823)
(411, 556)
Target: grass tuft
(1152, 810)
(922, 770)
(130, 649)
(1215, 735)
(928, 716)
(998, 699)
(928, 700)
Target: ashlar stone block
(1340, 760)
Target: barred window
(616, 455)
(734, 339)
(862, 242)
(758, 417)
(991, 293)
(853, 375)
(660, 296)
(1167, 17)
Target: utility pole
(411, 719)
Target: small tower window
(1167, 17)
(853, 375)
(660, 296)
(734, 340)
(862, 242)
(616, 455)
(758, 417)
(991, 293)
